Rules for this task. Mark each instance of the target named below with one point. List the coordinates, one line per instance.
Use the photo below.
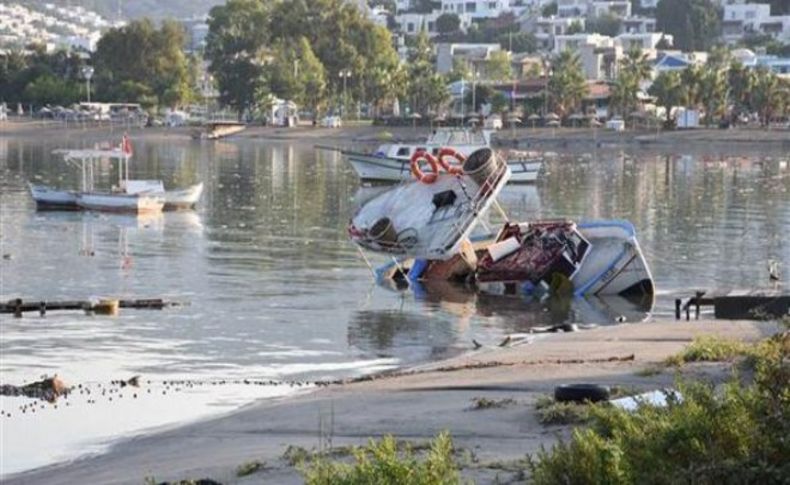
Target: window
(471, 7)
(402, 152)
(410, 27)
(430, 26)
(492, 5)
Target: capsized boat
(427, 227)
(390, 162)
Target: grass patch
(479, 403)
(736, 433)
(249, 468)
(710, 348)
(385, 462)
(296, 455)
(550, 411)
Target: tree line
(137, 63)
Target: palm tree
(634, 68)
(690, 86)
(770, 95)
(713, 93)
(741, 80)
(666, 89)
(567, 85)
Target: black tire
(581, 393)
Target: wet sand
(413, 405)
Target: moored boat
(137, 196)
(120, 202)
(184, 198)
(47, 198)
(390, 162)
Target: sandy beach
(361, 133)
(414, 405)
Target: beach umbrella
(576, 117)
(533, 118)
(553, 123)
(414, 117)
(552, 117)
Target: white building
(575, 41)
(479, 9)
(546, 28)
(572, 8)
(753, 18)
(646, 41)
(617, 8)
(470, 54)
(638, 25)
(411, 23)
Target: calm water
(276, 291)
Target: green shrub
(479, 403)
(550, 411)
(384, 464)
(249, 468)
(709, 348)
(738, 434)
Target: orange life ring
(426, 178)
(452, 169)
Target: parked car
(331, 122)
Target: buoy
(452, 169)
(107, 307)
(426, 178)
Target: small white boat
(218, 129)
(184, 198)
(391, 161)
(138, 196)
(120, 202)
(174, 199)
(51, 199)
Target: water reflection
(277, 291)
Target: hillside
(134, 9)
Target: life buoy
(426, 178)
(453, 169)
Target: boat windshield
(457, 138)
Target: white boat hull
(615, 264)
(183, 199)
(379, 168)
(132, 203)
(48, 198)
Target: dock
(737, 304)
(17, 306)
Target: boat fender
(451, 169)
(426, 178)
(503, 248)
(417, 269)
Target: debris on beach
(48, 389)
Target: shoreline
(526, 137)
(413, 404)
